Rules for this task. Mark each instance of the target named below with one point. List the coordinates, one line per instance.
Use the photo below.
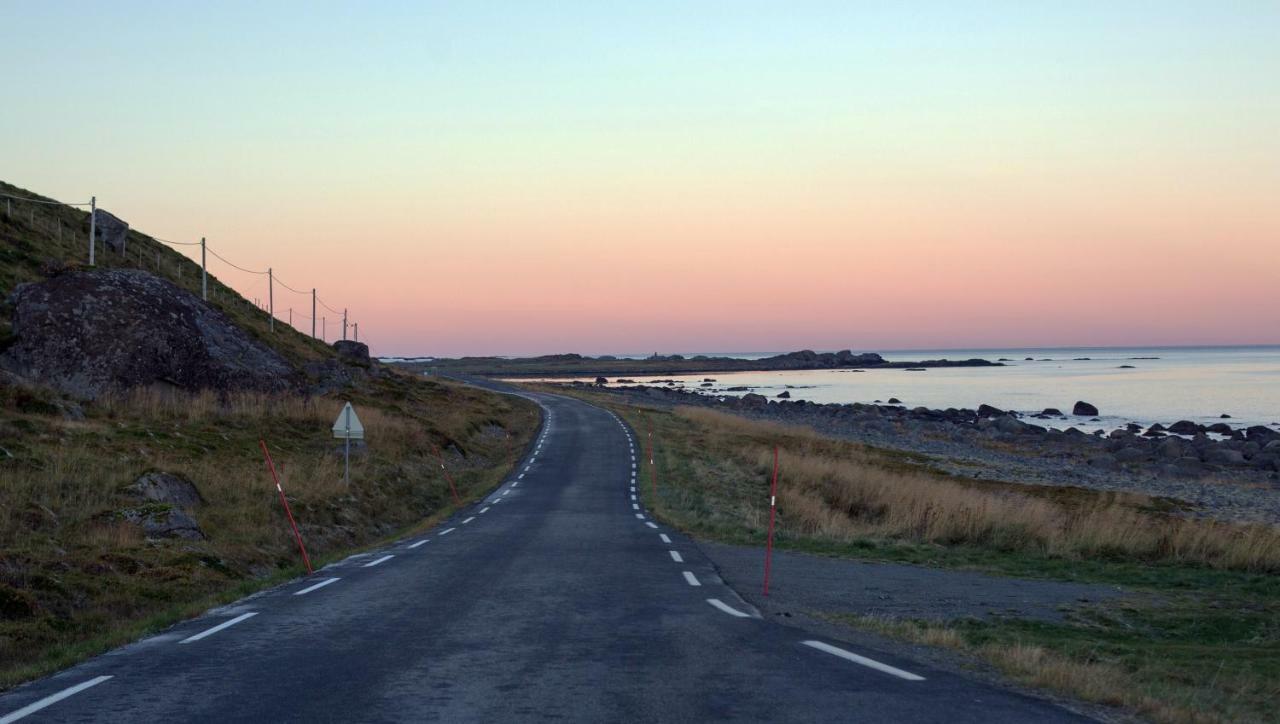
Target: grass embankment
(76, 578)
(1199, 640)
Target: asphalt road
(555, 598)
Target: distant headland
(576, 365)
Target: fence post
(271, 298)
(357, 331)
(313, 312)
(773, 506)
(93, 219)
(324, 328)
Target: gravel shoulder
(801, 583)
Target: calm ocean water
(1183, 383)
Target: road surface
(557, 597)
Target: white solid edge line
(415, 545)
(316, 586)
(727, 608)
(869, 663)
(219, 627)
(468, 520)
(447, 531)
(375, 562)
(691, 579)
(651, 525)
(50, 700)
(675, 556)
(664, 538)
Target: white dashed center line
(50, 700)
(316, 587)
(447, 531)
(691, 579)
(727, 608)
(219, 627)
(675, 556)
(468, 520)
(651, 525)
(377, 561)
(664, 538)
(640, 516)
(869, 663)
(415, 545)
(484, 510)
(635, 506)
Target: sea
(1144, 385)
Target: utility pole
(313, 312)
(357, 331)
(344, 324)
(324, 328)
(290, 316)
(271, 297)
(204, 272)
(93, 219)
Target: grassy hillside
(1196, 641)
(57, 237)
(76, 576)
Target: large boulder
(84, 333)
(111, 231)
(1084, 409)
(351, 351)
(160, 487)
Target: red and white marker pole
(773, 508)
(447, 476)
(297, 536)
(653, 471)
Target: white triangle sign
(348, 425)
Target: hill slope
(121, 514)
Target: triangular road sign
(348, 425)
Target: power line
(286, 286)
(247, 271)
(42, 201)
(178, 243)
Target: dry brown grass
(834, 489)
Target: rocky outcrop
(111, 231)
(87, 332)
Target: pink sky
(612, 180)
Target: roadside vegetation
(1197, 639)
(79, 571)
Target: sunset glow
(639, 177)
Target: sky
(623, 177)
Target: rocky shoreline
(1214, 470)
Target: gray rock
(1224, 456)
(352, 351)
(164, 487)
(1184, 427)
(1171, 448)
(784, 395)
(1130, 455)
(1221, 428)
(1084, 409)
(163, 521)
(84, 333)
(985, 410)
(754, 399)
(1008, 424)
(110, 230)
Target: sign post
(348, 427)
